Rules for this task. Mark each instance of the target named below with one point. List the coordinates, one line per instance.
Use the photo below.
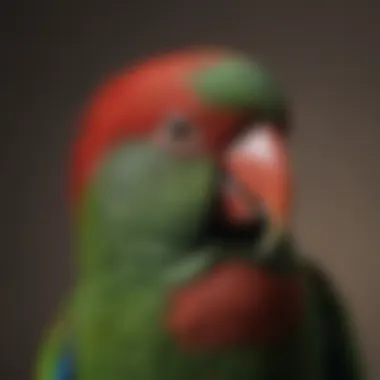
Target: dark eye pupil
(180, 130)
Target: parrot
(180, 194)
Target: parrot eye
(180, 130)
(179, 136)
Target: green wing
(341, 348)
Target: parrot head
(182, 146)
(180, 151)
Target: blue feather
(66, 366)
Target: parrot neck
(135, 257)
(103, 250)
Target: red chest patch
(234, 305)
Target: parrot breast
(236, 304)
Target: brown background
(54, 52)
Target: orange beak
(258, 177)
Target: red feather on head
(131, 105)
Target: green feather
(239, 84)
(136, 237)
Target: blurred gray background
(54, 53)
